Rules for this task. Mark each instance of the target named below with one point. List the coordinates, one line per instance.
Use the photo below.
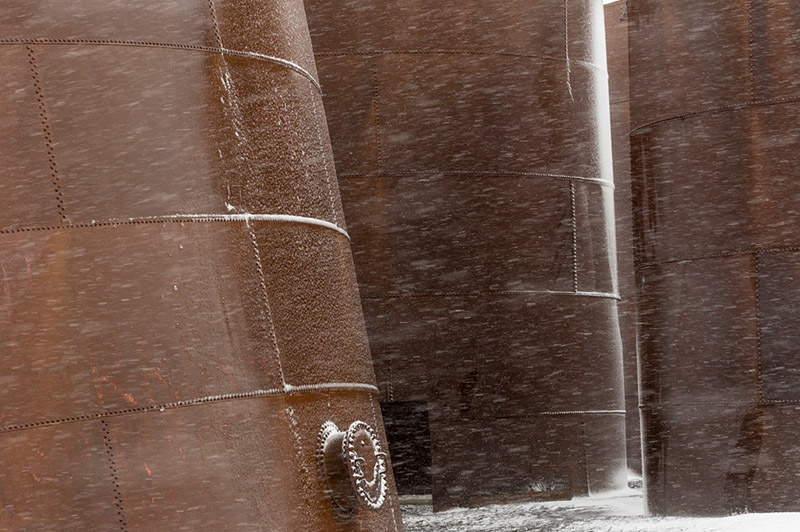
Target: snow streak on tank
(180, 317)
(473, 149)
(616, 14)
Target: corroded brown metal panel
(179, 309)
(714, 110)
(616, 15)
(472, 144)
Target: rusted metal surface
(179, 308)
(472, 144)
(714, 111)
(616, 15)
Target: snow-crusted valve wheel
(354, 466)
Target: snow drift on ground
(621, 511)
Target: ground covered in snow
(612, 512)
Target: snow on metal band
(487, 293)
(578, 412)
(607, 295)
(272, 59)
(168, 45)
(271, 392)
(286, 218)
(330, 386)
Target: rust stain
(103, 378)
(7, 308)
(28, 270)
(157, 375)
(149, 394)
(178, 445)
(6, 287)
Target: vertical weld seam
(750, 41)
(217, 34)
(574, 236)
(375, 425)
(290, 419)
(48, 135)
(566, 48)
(759, 365)
(375, 113)
(268, 313)
(328, 171)
(391, 380)
(113, 467)
(394, 518)
(585, 455)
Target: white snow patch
(617, 511)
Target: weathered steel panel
(179, 309)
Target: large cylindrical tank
(616, 14)
(715, 113)
(180, 326)
(473, 149)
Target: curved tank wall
(714, 111)
(179, 310)
(472, 144)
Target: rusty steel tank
(616, 18)
(715, 112)
(182, 340)
(472, 143)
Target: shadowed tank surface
(472, 143)
(180, 317)
(715, 108)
